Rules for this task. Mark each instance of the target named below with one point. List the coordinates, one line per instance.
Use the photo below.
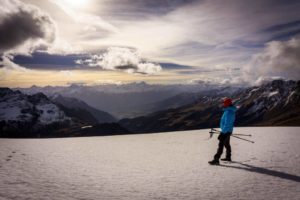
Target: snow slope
(154, 166)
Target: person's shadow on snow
(265, 171)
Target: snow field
(152, 166)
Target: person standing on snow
(226, 125)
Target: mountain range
(272, 104)
(132, 99)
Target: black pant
(224, 140)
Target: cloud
(190, 32)
(89, 23)
(134, 10)
(121, 59)
(23, 29)
(262, 80)
(204, 34)
(218, 81)
(7, 67)
(5, 62)
(23, 24)
(108, 82)
(278, 59)
(199, 33)
(67, 73)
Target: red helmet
(227, 102)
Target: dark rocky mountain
(204, 113)
(23, 115)
(28, 115)
(275, 103)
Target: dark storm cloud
(44, 61)
(22, 23)
(68, 62)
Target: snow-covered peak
(37, 109)
(258, 100)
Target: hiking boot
(226, 159)
(214, 162)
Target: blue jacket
(227, 120)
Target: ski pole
(242, 139)
(242, 134)
(231, 134)
(234, 133)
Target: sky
(60, 42)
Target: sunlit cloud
(278, 59)
(121, 59)
(7, 64)
(87, 21)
